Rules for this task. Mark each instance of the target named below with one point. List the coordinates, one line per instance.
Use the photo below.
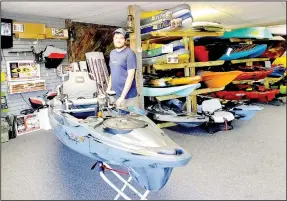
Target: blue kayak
(246, 112)
(243, 51)
(249, 32)
(165, 91)
(278, 71)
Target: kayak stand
(121, 190)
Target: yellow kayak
(280, 60)
(144, 15)
(169, 81)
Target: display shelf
(166, 124)
(187, 65)
(248, 60)
(196, 92)
(186, 33)
(205, 91)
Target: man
(123, 67)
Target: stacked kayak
(177, 45)
(207, 26)
(170, 19)
(173, 81)
(243, 51)
(165, 114)
(227, 52)
(275, 50)
(219, 79)
(261, 96)
(183, 57)
(249, 32)
(245, 112)
(278, 71)
(250, 73)
(184, 90)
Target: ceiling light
(208, 11)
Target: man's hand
(120, 101)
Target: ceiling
(232, 14)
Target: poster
(23, 70)
(27, 123)
(26, 86)
(6, 29)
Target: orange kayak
(219, 79)
(170, 81)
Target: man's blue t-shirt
(120, 63)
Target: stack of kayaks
(261, 96)
(249, 32)
(166, 20)
(274, 50)
(219, 79)
(278, 71)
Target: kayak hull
(246, 112)
(165, 91)
(265, 96)
(256, 75)
(219, 79)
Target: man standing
(123, 67)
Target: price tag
(18, 27)
(167, 48)
(172, 59)
(228, 51)
(268, 64)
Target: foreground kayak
(165, 91)
(219, 79)
(262, 96)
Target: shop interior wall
(15, 102)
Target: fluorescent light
(207, 11)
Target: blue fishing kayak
(243, 51)
(165, 91)
(278, 71)
(249, 32)
(246, 112)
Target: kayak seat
(213, 109)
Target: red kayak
(200, 53)
(264, 96)
(255, 75)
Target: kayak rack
(121, 190)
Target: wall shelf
(248, 60)
(187, 65)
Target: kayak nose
(171, 152)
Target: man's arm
(128, 83)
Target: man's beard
(120, 47)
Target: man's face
(119, 40)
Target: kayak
(207, 26)
(278, 71)
(281, 60)
(183, 57)
(159, 15)
(275, 50)
(282, 89)
(256, 75)
(184, 21)
(184, 90)
(170, 81)
(219, 79)
(246, 112)
(189, 120)
(262, 96)
(249, 32)
(178, 44)
(243, 51)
